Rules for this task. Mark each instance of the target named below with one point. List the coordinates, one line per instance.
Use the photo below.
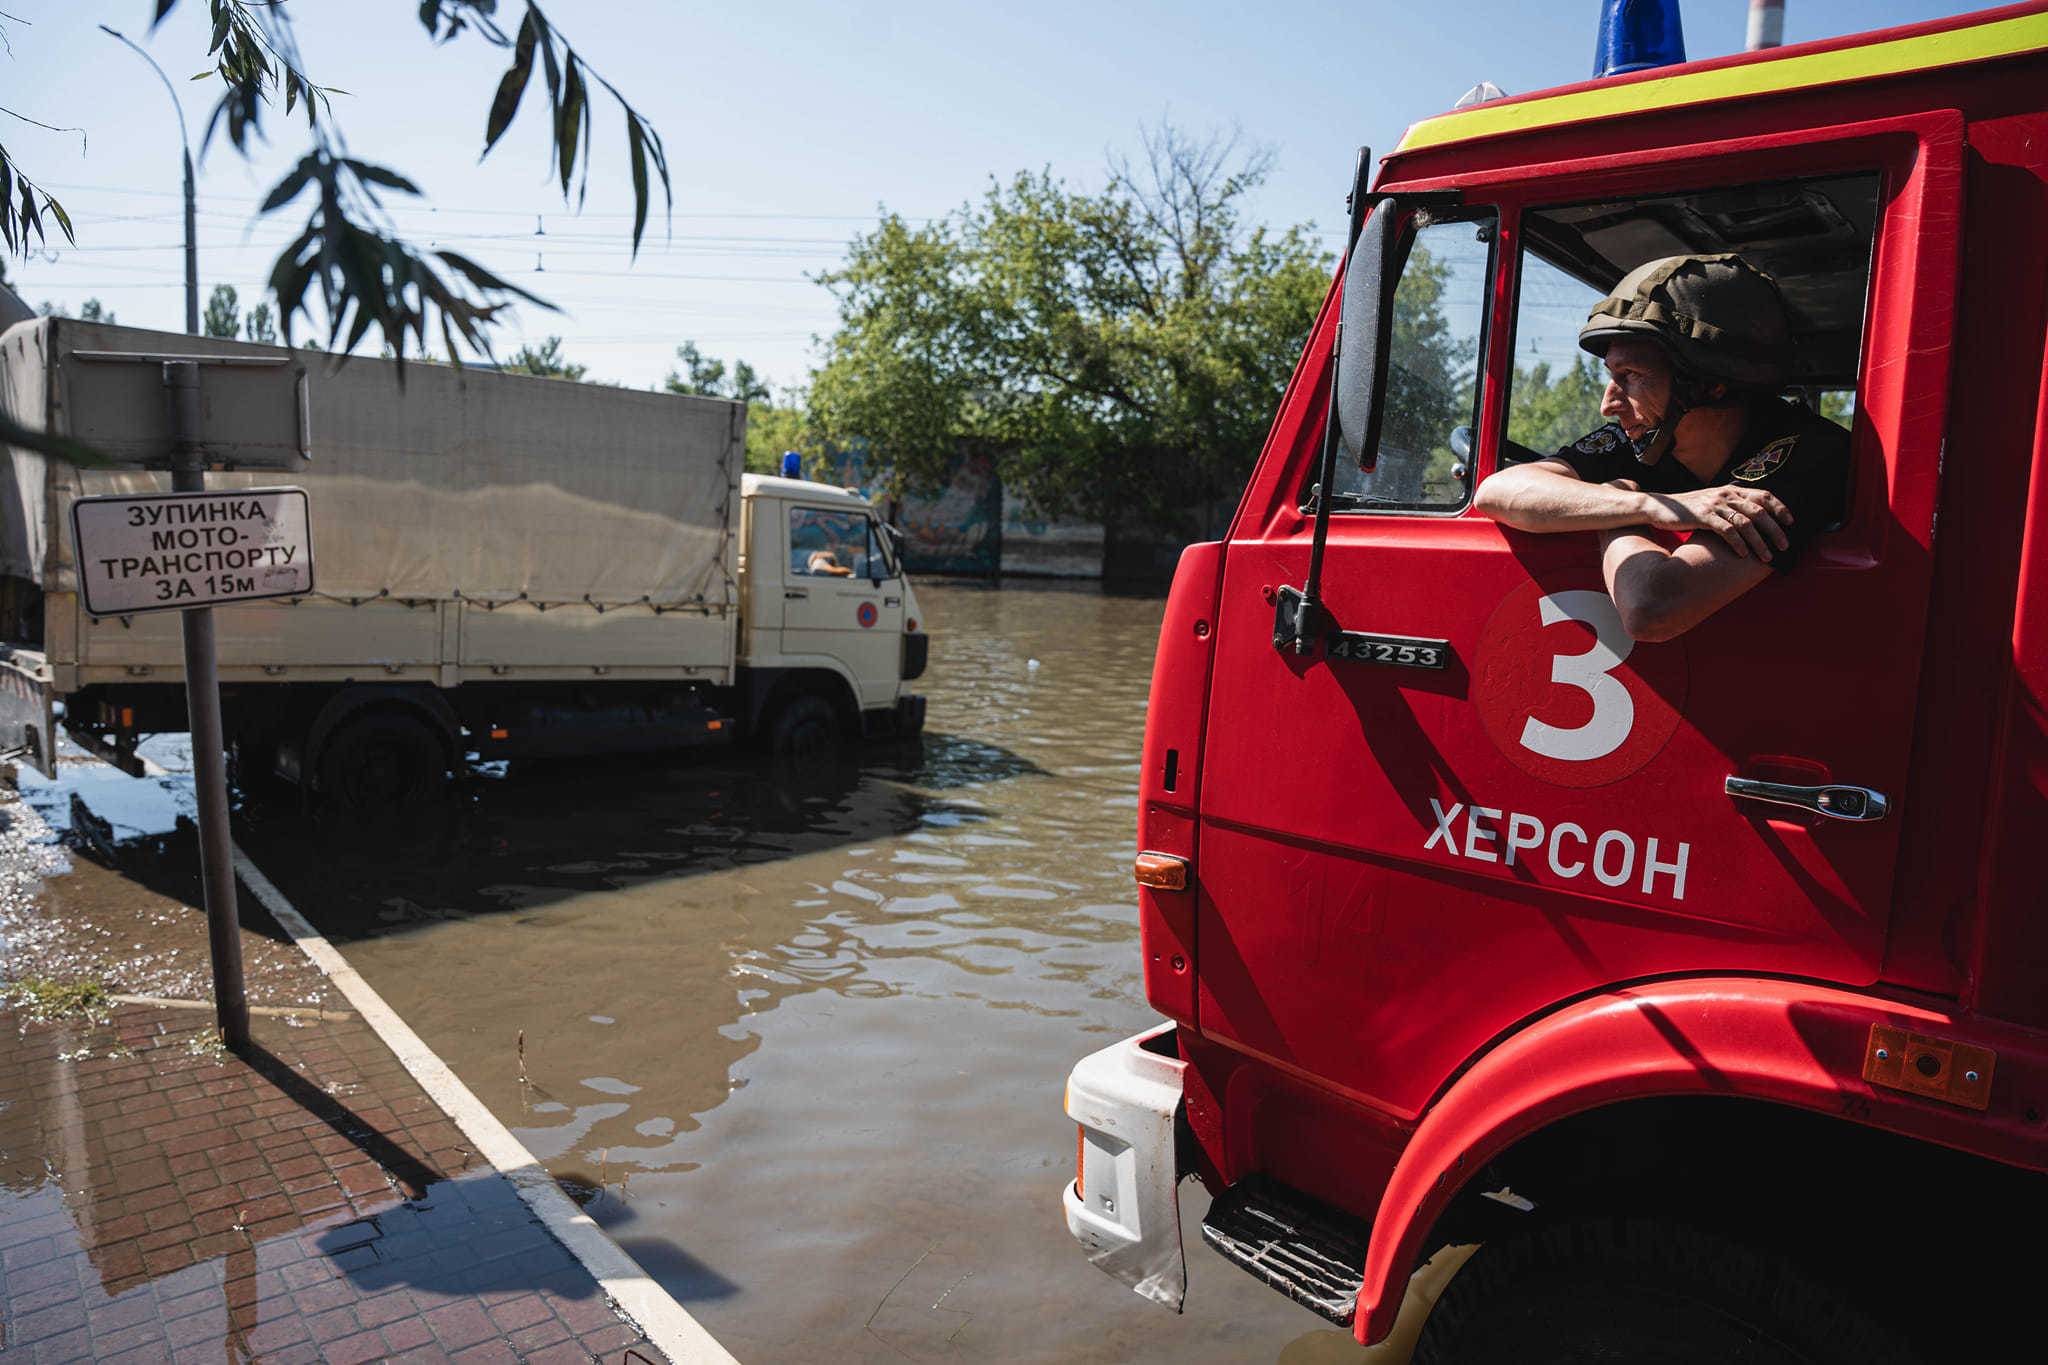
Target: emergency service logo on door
(1566, 694)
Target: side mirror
(1461, 446)
(1368, 320)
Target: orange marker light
(1080, 1151)
(1162, 872)
(714, 725)
(499, 734)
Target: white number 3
(1614, 711)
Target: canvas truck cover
(466, 524)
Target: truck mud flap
(28, 731)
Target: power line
(516, 213)
(522, 274)
(124, 248)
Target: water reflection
(813, 1025)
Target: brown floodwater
(800, 1037)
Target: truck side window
(1554, 393)
(1813, 236)
(828, 544)
(1432, 374)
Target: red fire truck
(1702, 983)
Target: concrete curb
(653, 1310)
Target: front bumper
(1126, 1214)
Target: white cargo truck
(503, 566)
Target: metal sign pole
(209, 759)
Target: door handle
(793, 593)
(1836, 802)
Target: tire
(383, 761)
(1615, 1290)
(805, 727)
(252, 770)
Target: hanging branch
(349, 255)
(568, 79)
(23, 204)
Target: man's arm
(1550, 496)
(1663, 589)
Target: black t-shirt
(1800, 457)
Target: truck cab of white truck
(824, 592)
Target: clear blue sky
(788, 122)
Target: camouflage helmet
(1719, 316)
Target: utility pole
(202, 676)
(209, 758)
(191, 195)
(112, 533)
(191, 249)
(1766, 24)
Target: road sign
(254, 410)
(173, 551)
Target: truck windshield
(1433, 368)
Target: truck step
(1310, 1252)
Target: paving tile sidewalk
(161, 1200)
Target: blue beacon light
(792, 465)
(1636, 35)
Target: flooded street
(800, 1038)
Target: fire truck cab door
(1399, 862)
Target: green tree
(223, 315)
(92, 310)
(545, 360)
(1546, 412)
(361, 275)
(705, 377)
(1426, 395)
(258, 326)
(1839, 407)
(772, 429)
(1119, 354)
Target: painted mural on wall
(972, 528)
(960, 531)
(1049, 548)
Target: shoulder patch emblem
(1761, 464)
(1598, 442)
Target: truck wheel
(382, 761)
(252, 768)
(1643, 1289)
(805, 727)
